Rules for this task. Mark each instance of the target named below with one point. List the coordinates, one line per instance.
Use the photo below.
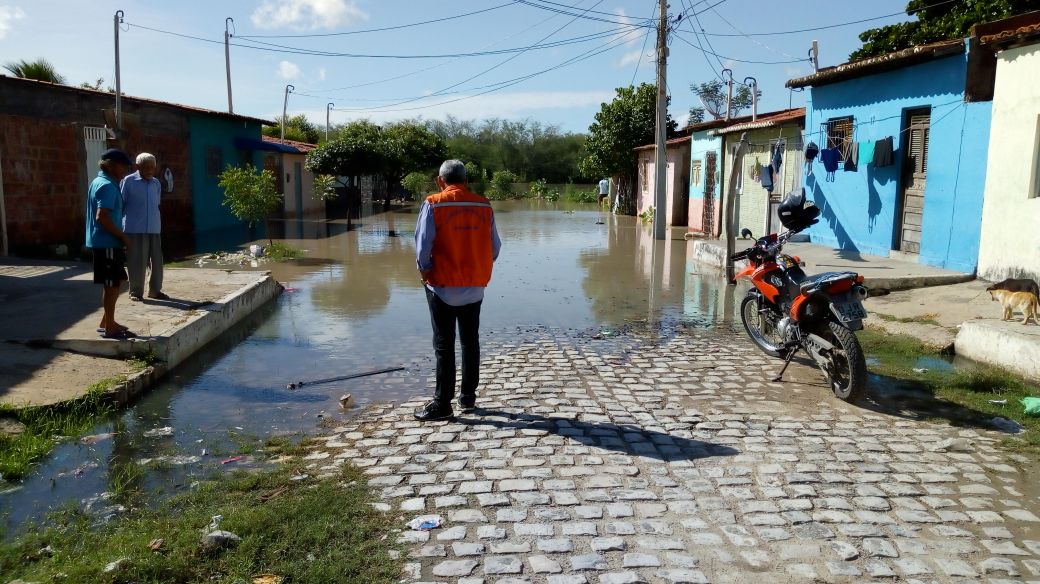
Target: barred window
(839, 134)
(695, 173)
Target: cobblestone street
(671, 459)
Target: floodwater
(353, 304)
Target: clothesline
(822, 131)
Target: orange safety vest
(462, 253)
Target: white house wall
(1010, 239)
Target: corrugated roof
(1024, 28)
(667, 143)
(144, 100)
(301, 147)
(767, 120)
(881, 63)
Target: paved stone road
(671, 460)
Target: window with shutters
(695, 173)
(918, 143)
(840, 133)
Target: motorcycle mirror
(746, 233)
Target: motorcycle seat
(813, 283)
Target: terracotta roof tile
(302, 147)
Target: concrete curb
(998, 344)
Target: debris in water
(425, 522)
(91, 440)
(291, 290)
(232, 459)
(346, 401)
(291, 386)
(1032, 405)
(159, 432)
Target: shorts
(109, 266)
(602, 196)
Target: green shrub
(501, 185)
(419, 184)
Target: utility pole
(227, 61)
(754, 97)
(328, 109)
(661, 160)
(738, 166)
(814, 55)
(729, 96)
(116, 21)
(285, 107)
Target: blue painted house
(934, 103)
(706, 163)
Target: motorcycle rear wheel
(760, 326)
(847, 370)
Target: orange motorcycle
(787, 311)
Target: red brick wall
(42, 177)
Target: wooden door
(915, 171)
(708, 210)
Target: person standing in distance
(456, 245)
(604, 190)
(105, 238)
(142, 223)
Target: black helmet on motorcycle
(793, 213)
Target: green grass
(279, 251)
(45, 426)
(970, 388)
(306, 531)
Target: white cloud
(287, 70)
(307, 14)
(321, 74)
(629, 58)
(9, 14)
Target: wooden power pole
(661, 160)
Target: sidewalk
(51, 351)
(963, 317)
(879, 272)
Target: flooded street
(353, 304)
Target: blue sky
(77, 37)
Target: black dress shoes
(433, 412)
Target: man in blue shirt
(141, 222)
(106, 239)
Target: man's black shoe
(433, 412)
(468, 403)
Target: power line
(734, 27)
(581, 15)
(840, 24)
(683, 39)
(493, 67)
(704, 53)
(369, 30)
(642, 51)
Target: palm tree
(40, 70)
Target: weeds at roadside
(306, 531)
(279, 252)
(919, 319)
(983, 391)
(46, 426)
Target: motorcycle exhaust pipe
(860, 292)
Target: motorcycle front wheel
(846, 368)
(760, 324)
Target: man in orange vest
(456, 245)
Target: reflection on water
(355, 304)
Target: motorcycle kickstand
(787, 362)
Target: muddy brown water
(353, 304)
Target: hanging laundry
(883, 152)
(811, 150)
(778, 156)
(756, 171)
(852, 157)
(830, 157)
(866, 151)
(767, 178)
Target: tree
(98, 85)
(621, 125)
(356, 151)
(40, 70)
(297, 128)
(937, 20)
(713, 97)
(419, 184)
(411, 147)
(250, 195)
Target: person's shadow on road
(626, 439)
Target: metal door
(95, 142)
(915, 171)
(708, 214)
